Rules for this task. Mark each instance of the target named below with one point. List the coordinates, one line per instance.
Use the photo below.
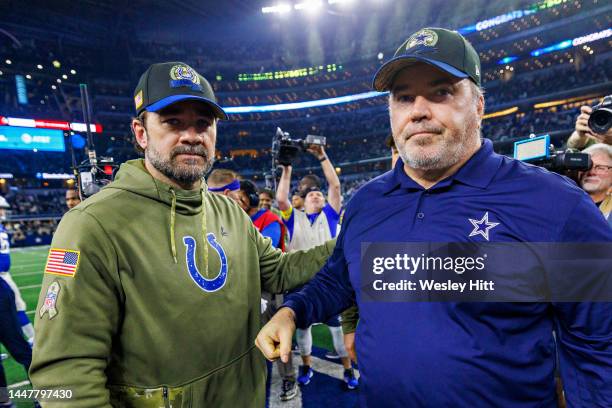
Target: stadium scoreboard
(25, 138)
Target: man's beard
(179, 172)
(448, 151)
(592, 186)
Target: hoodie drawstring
(172, 217)
(204, 237)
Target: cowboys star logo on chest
(482, 226)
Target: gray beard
(592, 188)
(449, 153)
(180, 173)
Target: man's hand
(349, 344)
(582, 122)
(583, 130)
(274, 339)
(317, 151)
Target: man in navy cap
(449, 186)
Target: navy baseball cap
(445, 49)
(305, 192)
(166, 83)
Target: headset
(251, 191)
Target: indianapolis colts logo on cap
(183, 75)
(424, 37)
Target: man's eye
(443, 92)
(404, 98)
(172, 121)
(203, 123)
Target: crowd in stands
(34, 214)
(37, 204)
(29, 233)
(521, 125)
(549, 81)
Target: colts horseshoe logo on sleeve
(207, 285)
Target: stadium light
(279, 8)
(8, 62)
(29, 76)
(507, 60)
(501, 113)
(39, 66)
(303, 105)
(73, 72)
(56, 64)
(310, 6)
(549, 104)
(555, 47)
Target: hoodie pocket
(137, 397)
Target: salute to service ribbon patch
(63, 262)
(50, 301)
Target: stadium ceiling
(157, 10)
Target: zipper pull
(165, 395)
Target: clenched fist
(274, 339)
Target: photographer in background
(268, 223)
(598, 180)
(583, 136)
(306, 183)
(318, 223)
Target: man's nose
(420, 109)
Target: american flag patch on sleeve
(63, 262)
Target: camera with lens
(285, 149)
(91, 179)
(540, 152)
(600, 120)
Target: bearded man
(152, 287)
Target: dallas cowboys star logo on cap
(482, 226)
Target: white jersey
(5, 262)
(304, 234)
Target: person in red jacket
(268, 223)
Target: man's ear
(481, 105)
(140, 133)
